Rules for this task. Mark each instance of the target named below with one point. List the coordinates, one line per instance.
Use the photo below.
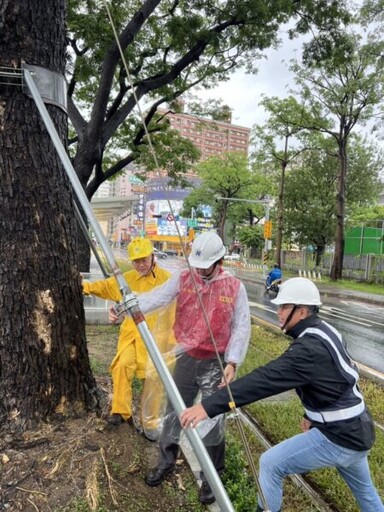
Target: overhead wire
(232, 403)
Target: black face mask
(289, 318)
(207, 277)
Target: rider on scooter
(274, 276)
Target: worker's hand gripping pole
(132, 306)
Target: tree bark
(337, 266)
(44, 359)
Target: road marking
(326, 310)
(336, 313)
(261, 306)
(351, 320)
(361, 305)
(348, 316)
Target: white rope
(157, 166)
(153, 153)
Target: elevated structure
(105, 208)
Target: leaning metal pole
(149, 341)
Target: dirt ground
(84, 464)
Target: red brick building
(211, 137)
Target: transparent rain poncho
(192, 357)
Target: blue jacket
(274, 274)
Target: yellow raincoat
(131, 357)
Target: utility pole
(267, 224)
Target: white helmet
(298, 290)
(207, 248)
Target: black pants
(192, 376)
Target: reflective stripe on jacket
(351, 403)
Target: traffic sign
(268, 229)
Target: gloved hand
(117, 311)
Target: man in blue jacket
(338, 430)
(274, 275)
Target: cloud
(243, 92)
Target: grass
(237, 480)
(281, 420)
(190, 493)
(292, 270)
(348, 284)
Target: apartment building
(211, 138)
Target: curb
(371, 374)
(342, 294)
(371, 299)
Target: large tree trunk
(83, 250)
(44, 360)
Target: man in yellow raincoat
(131, 357)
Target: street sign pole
(265, 253)
(265, 203)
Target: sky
(243, 92)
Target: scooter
(272, 286)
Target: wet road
(361, 325)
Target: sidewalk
(335, 291)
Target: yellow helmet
(139, 248)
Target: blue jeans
(309, 451)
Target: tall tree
(342, 90)
(251, 237)
(311, 190)
(170, 47)
(225, 179)
(372, 215)
(276, 146)
(44, 360)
